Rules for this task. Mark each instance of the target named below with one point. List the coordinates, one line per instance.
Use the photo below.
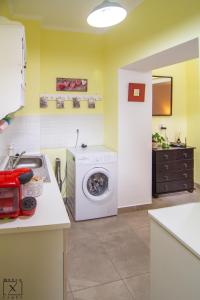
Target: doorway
(135, 124)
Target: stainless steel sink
(35, 162)
(29, 162)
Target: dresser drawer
(174, 186)
(165, 155)
(183, 175)
(170, 155)
(184, 154)
(174, 166)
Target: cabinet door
(11, 96)
(11, 44)
(11, 67)
(23, 62)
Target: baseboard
(134, 208)
(144, 206)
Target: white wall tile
(23, 133)
(31, 133)
(60, 131)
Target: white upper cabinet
(12, 66)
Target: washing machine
(91, 182)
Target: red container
(10, 193)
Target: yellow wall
(75, 55)
(52, 54)
(175, 23)
(162, 24)
(177, 123)
(4, 10)
(193, 111)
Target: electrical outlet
(162, 126)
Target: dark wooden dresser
(172, 170)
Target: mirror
(161, 95)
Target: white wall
(60, 131)
(31, 133)
(134, 142)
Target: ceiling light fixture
(106, 14)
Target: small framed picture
(91, 103)
(60, 104)
(76, 102)
(71, 84)
(43, 102)
(136, 92)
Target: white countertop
(183, 222)
(50, 213)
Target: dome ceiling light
(106, 14)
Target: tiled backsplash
(60, 131)
(23, 133)
(31, 133)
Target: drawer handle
(166, 156)
(166, 177)
(166, 187)
(185, 165)
(185, 155)
(166, 167)
(185, 175)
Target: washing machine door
(97, 184)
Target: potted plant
(157, 140)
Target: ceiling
(69, 15)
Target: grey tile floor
(109, 258)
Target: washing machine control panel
(96, 158)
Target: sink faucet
(17, 159)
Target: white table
(175, 252)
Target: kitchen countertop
(50, 213)
(183, 222)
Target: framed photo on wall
(136, 92)
(71, 84)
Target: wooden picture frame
(162, 88)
